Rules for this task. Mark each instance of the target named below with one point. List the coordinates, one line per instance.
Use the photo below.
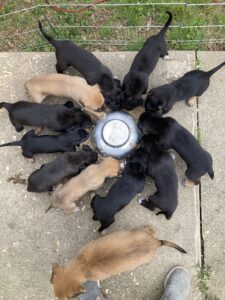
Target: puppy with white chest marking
(162, 169)
(74, 87)
(193, 84)
(104, 257)
(171, 135)
(90, 179)
(135, 83)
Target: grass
(203, 278)
(123, 37)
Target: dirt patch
(17, 179)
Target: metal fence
(112, 26)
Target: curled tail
(172, 245)
(46, 36)
(214, 70)
(16, 143)
(5, 105)
(165, 27)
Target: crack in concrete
(197, 64)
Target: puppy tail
(16, 143)
(211, 174)
(172, 245)
(46, 36)
(165, 27)
(5, 105)
(214, 70)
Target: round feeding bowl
(116, 135)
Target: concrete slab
(32, 240)
(212, 129)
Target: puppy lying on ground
(172, 135)
(56, 117)
(69, 54)
(32, 144)
(193, 84)
(104, 257)
(123, 191)
(135, 83)
(90, 179)
(64, 166)
(161, 168)
(40, 86)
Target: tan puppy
(106, 256)
(90, 179)
(75, 87)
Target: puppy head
(153, 102)
(147, 122)
(111, 164)
(64, 283)
(130, 103)
(114, 99)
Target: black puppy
(69, 54)
(161, 168)
(66, 165)
(193, 84)
(135, 83)
(123, 191)
(172, 135)
(56, 117)
(32, 143)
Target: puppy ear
(55, 268)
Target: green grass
(120, 38)
(203, 278)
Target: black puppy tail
(214, 70)
(5, 105)
(211, 174)
(172, 245)
(46, 36)
(16, 143)
(165, 27)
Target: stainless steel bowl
(116, 135)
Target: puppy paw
(30, 160)
(188, 183)
(166, 57)
(190, 102)
(140, 200)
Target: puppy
(32, 144)
(104, 257)
(193, 84)
(90, 179)
(40, 86)
(64, 166)
(68, 54)
(172, 135)
(135, 83)
(161, 168)
(123, 191)
(56, 117)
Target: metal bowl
(116, 135)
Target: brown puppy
(41, 86)
(90, 179)
(104, 257)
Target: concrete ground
(31, 241)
